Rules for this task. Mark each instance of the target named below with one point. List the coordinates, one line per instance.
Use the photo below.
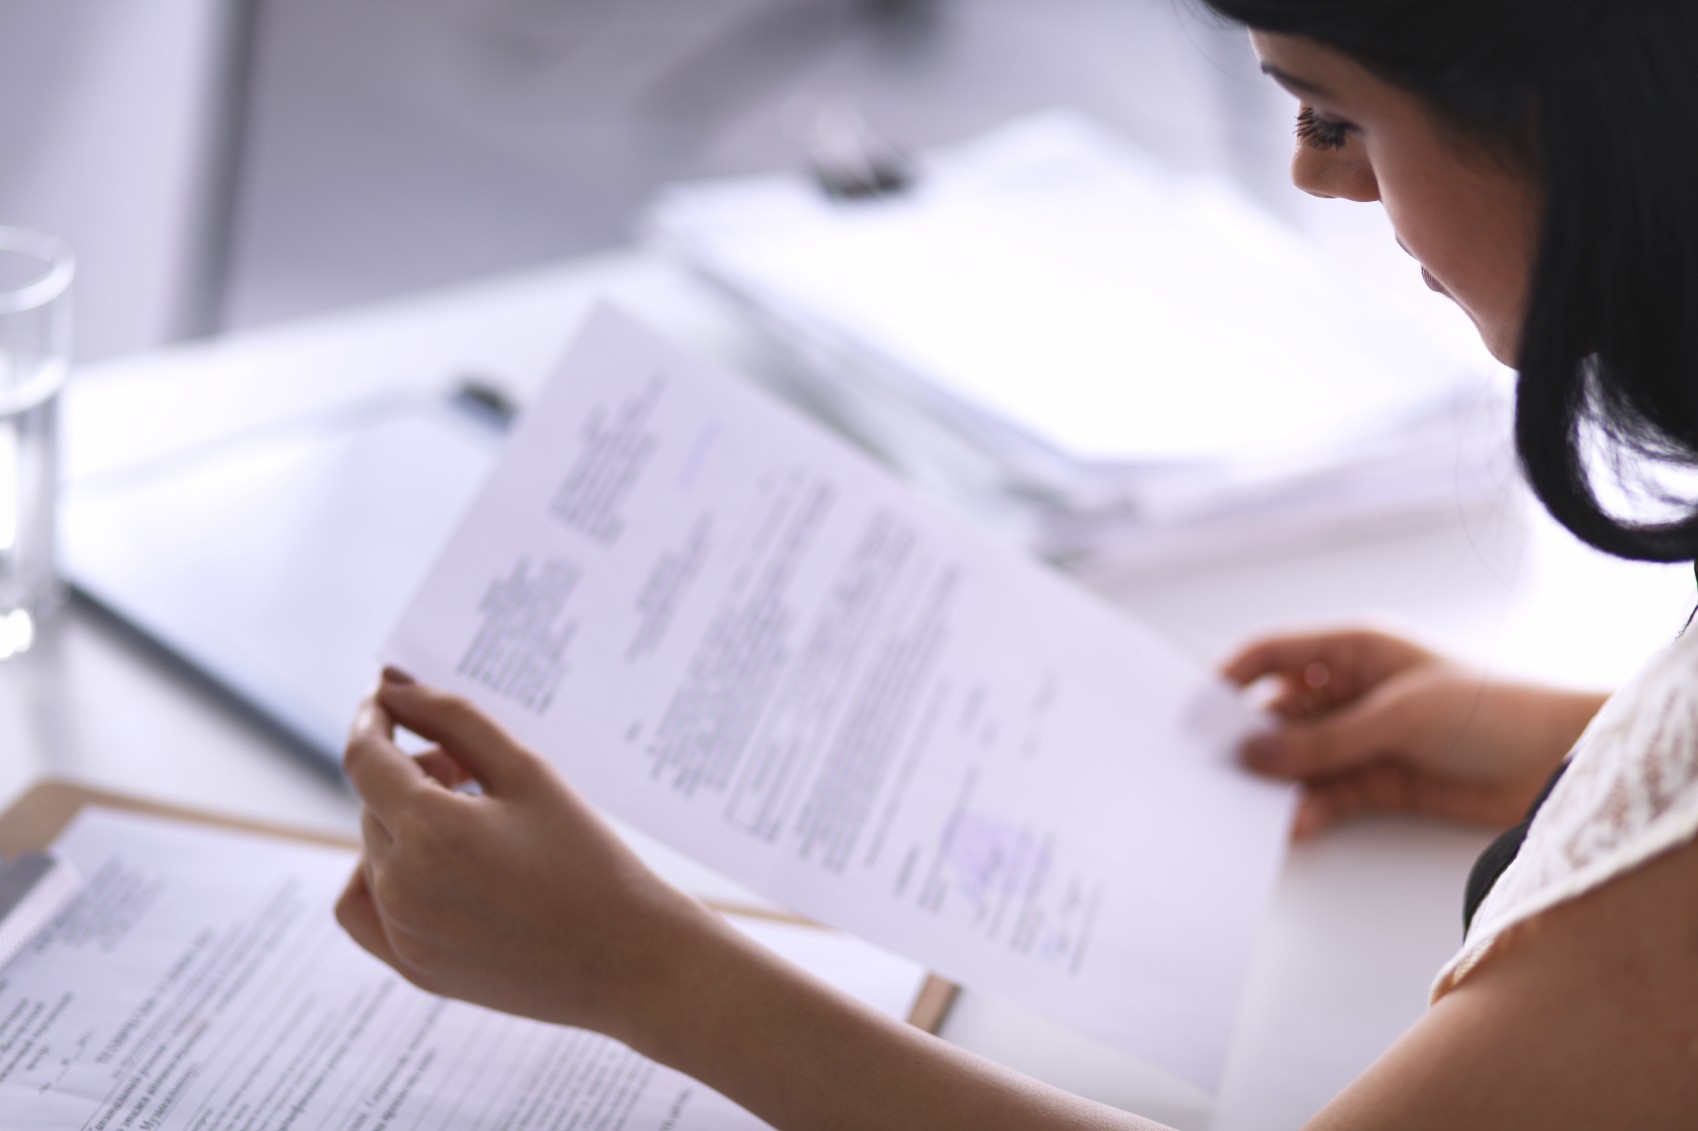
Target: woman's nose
(1341, 174)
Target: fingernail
(397, 677)
(1264, 750)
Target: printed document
(196, 981)
(736, 632)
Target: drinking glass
(35, 334)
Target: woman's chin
(1502, 347)
(1501, 343)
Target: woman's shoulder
(1584, 1021)
(1630, 794)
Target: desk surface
(1361, 920)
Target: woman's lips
(1426, 275)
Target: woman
(1535, 157)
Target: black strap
(1499, 855)
(1503, 851)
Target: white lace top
(1630, 793)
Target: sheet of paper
(733, 631)
(197, 981)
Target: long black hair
(1598, 101)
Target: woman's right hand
(517, 897)
(1370, 721)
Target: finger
(374, 834)
(480, 745)
(1463, 801)
(1397, 787)
(357, 912)
(1314, 816)
(1281, 655)
(1369, 728)
(1386, 787)
(442, 767)
(1352, 655)
(1322, 808)
(1313, 691)
(381, 772)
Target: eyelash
(1317, 132)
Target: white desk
(1361, 920)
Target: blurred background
(223, 163)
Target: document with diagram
(733, 630)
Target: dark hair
(1599, 100)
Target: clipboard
(270, 562)
(32, 823)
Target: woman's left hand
(520, 897)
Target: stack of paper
(1141, 367)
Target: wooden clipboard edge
(931, 1005)
(36, 819)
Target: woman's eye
(1317, 132)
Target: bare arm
(1588, 1020)
(521, 899)
(800, 1055)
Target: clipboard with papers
(176, 969)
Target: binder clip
(486, 400)
(851, 162)
(33, 889)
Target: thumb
(476, 743)
(1357, 732)
(357, 913)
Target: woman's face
(1469, 218)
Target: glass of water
(35, 339)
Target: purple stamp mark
(992, 856)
